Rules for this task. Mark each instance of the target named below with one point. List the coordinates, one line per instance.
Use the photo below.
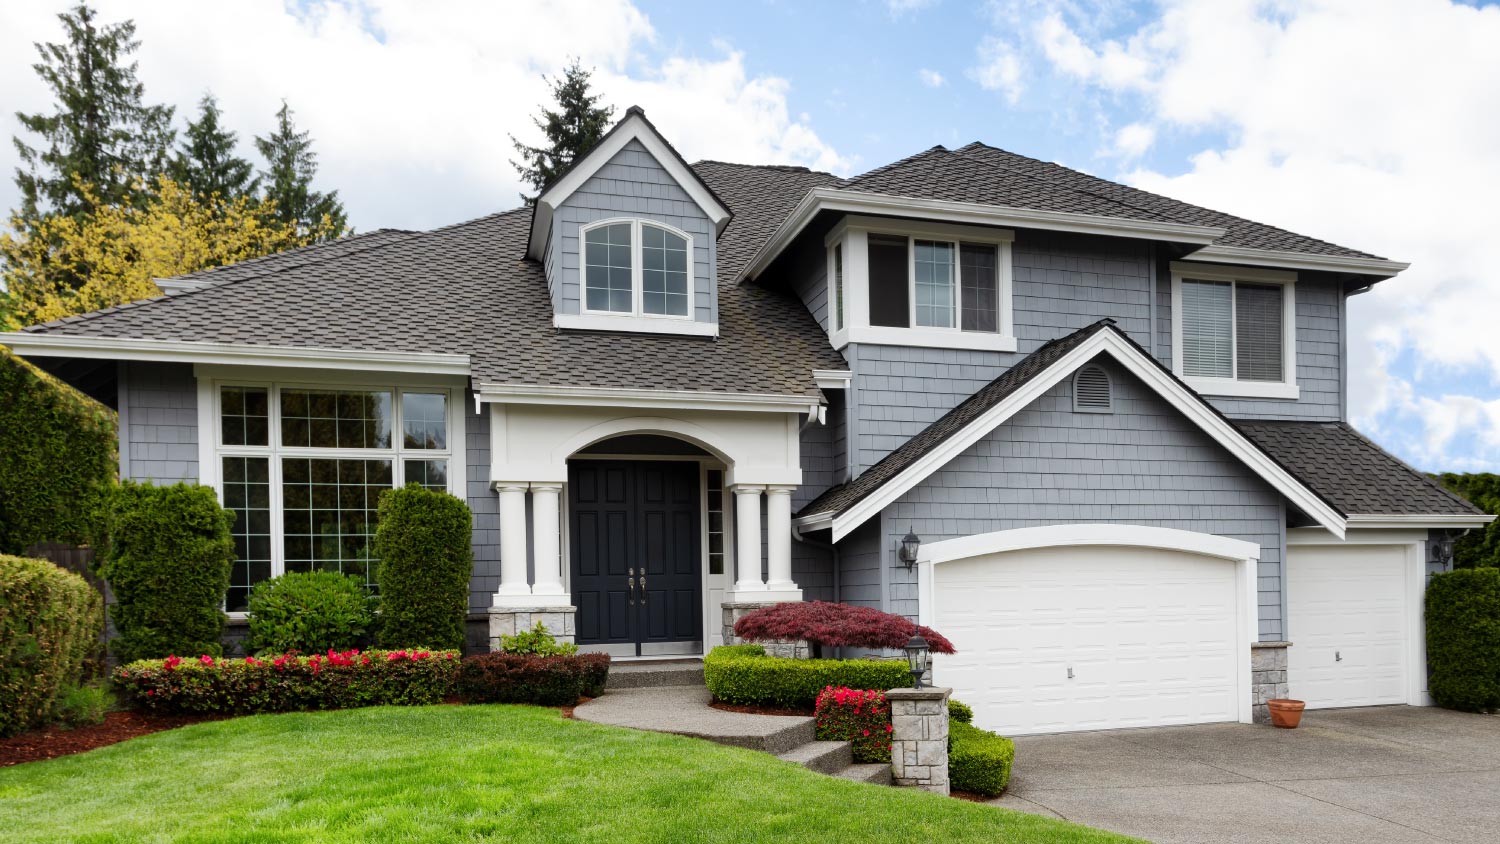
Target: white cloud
(1373, 124)
(931, 78)
(999, 68)
(897, 8)
(1134, 140)
(411, 105)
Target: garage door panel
(1347, 621)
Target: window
(932, 278)
(637, 268)
(714, 486)
(303, 469)
(838, 287)
(1233, 330)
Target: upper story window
(637, 268)
(1234, 330)
(920, 284)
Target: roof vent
(1092, 391)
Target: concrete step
(646, 675)
(824, 757)
(876, 773)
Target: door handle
(1338, 656)
(643, 584)
(1070, 672)
(631, 586)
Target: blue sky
(1371, 123)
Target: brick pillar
(919, 741)
(1267, 677)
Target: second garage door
(1085, 638)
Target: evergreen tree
(570, 131)
(100, 134)
(290, 167)
(206, 162)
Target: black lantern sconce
(910, 544)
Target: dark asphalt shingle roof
(1354, 474)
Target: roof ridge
(306, 248)
(783, 168)
(884, 167)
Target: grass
(468, 773)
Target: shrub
(57, 457)
(536, 641)
(422, 542)
(743, 674)
(595, 673)
(289, 683)
(824, 624)
(1463, 639)
(78, 706)
(167, 558)
(527, 678)
(50, 621)
(978, 761)
(960, 712)
(1479, 548)
(309, 612)
(858, 716)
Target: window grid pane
(329, 514)
(247, 491)
(244, 415)
(335, 419)
(1207, 331)
(664, 272)
(607, 269)
(424, 420)
(981, 298)
(934, 284)
(838, 286)
(1258, 332)
(715, 521)
(432, 474)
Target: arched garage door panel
(1150, 637)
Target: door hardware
(1070, 672)
(631, 587)
(643, 584)
(1338, 656)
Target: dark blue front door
(636, 555)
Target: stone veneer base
(736, 610)
(1267, 677)
(507, 621)
(919, 737)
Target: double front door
(636, 556)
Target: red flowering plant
(824, 624)
(859, 716)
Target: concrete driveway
(1376, 775)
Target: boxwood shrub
(744, 675)
(422, 542)
(960, 711)
(167, 553)
(556, 680)
(1463, 639)
(978, 761)
(50, 621)
(309, 612)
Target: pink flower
(206, 660)
(172, 662)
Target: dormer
(628, 236)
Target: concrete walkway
(684, 710)
(1380, 775)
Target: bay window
(1234, 330)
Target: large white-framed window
(1234, 330)
(636, 268)
(911, 283)
(302, 463)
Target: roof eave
(1380, 268)
(32, 344)
(1415, 520)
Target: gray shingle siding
(632, 184)
(160, 430)
(812, 566)
(1143, 464)
(484, 502)
(859, 566)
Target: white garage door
(1087, 638)
(1346, 608)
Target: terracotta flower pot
(1285, 713)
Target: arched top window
(1092, 390)
(637, 267)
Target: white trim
(929, 338)
(173, 286)
(638, 314)
(1106, 341)
(1299, 260)
(29, 344)
(832, 379)
(1284, 389)
(1430, 521)
(615, 397)
(971, 213)
(633, 128)
(635, 324)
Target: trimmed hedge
(1463, 639)
(960, 712)
(978, 761)
(556, 680)
(50, 621)
(423, 543)
(167, 556)
(57, 458)
(288, 683)
(744, 675)
(309, 612)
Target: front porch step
(824, 757)
(646, 675)
(875, 773)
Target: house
(1114, 424)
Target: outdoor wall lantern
(918, 658)
(909, 545)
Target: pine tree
(100, 136)
(206, 162)
(571, 131)
(290, 167)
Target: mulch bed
(971, 796)
(758, 710)
(51, 742)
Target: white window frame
(1284, 389)
(637, 270)
(211, 453)
(852, 234)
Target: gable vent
(1092, 391)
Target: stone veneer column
(544, 540)
(747, 539)
(919, 738)
(1267, 677)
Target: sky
(1371, 123)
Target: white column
(514, 589)
(779, 545)
(747, 538)
(544, 545)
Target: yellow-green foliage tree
(119, 249)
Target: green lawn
(468, 773)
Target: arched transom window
(637, 267)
